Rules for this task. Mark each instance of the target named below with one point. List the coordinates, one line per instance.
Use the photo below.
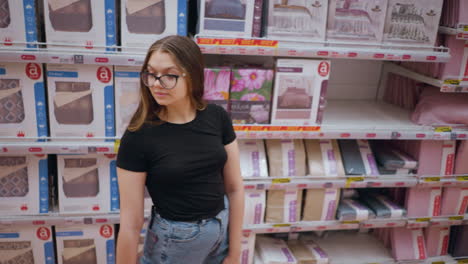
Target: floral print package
(250, 95)
(217, 86)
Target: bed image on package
(4, 14)
(18, 252)
(11, 102)
(70, 15)
(146, 16)
(79, 251)
(295, 93)
(225, 9)
(73, 103)
(351, 18)
(81, 177)
(295, 16)
(13, 176)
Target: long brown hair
(188, 57)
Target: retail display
(356, 20)
(273, 250)
(250, 95)
(437, 240)
(145, 21)
(423, 202)
(458, 241)
(383, 207)
(22, 100)
(253, 158)
(358, 158)
(127, 96)
(286, 157)
(454, 201)
(248, 248)
(84, 23)
(91, 244)
(299, 91)
(87, 183)
(81, 101)
(461, 166)
(453, 13)
(217, 83)
(18, 23)
(24, 185)
(283, 206)
(303, 20)
(352, 210)
(320, 204)
(457, 67)
(27, 245)
(408, 244)
(391, 158)
(254, 207)
(307, 251)
(324, 158)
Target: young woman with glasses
(185, 152)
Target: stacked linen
(454, 201)
(254, 207)
(286, 157)
(274, 251)
(383, 207)
(352, 210)
(358, 158)
(437, 240)
(307, 252)
(320, 204)
(324, 158)
(423, 202)
(283, 206)
(252, 156)
(248, 248)
(391, 160)
(408, 244)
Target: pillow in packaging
(437, 108)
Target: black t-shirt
(184, 163)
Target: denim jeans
(201, 242)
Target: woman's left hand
(231, 260)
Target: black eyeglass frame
(158, 78)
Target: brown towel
(324, 158)
(321, 204)
(286, 157)
(283, 206)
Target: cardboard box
(81, 100)
(23, 111)
(27, 244)
(85, 244)
(24, 185)
(84, 24)
(127, 96)
(18, 23)
(87, 184)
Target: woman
(186, 154)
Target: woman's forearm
(236, 217)
(127, 246)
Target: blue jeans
(201, 242)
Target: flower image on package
(146, 16)
(250, 95)
(11, 101)
(70, 15)
(217, 86)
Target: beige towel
(69, 174)
(63, 98)
(283, 206)
(69, 253)
(7, 170)
(8, 92)
(57, 4)
(134, 6)
(321, 204)
(286, 157)
(324, 158)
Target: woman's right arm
(132, 191)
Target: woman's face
(161, 63)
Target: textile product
(320, 204)
(254, 207)
(18, 252)
(80, 177)
(5, 18)
(358, 158)
(283, 206)
(390, 157)
(217, 82)
(324, 158)
(71, 15)
(352, 210)
(13, 176)
(383, 207)
(458, 241)
(437, 108)
(11, 102)
(454, 201)
(408, 244)
(233, 9)
(286, 157)
(307, 252)
(273, 250)
(461, 166)
(73, 103)
(437, 240)
(79, 251)
(253, 158)
(146, 16)
(454, 12)
(423, 202)
(250, 95)
(455, 68)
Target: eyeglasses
(167, 81)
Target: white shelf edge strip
(397, 69)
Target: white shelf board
(56, 147)
(461, 31)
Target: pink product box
(437, 240)
(408, 244)
(127, 96)
(18, 23)
(299, 92)
(23, 110)
(454, 201)
(24, 185)
(454, 13)
(423, 202)
(299, 20)
(248, 248)
(217, 82)
(87, 184)
(356, 20)
(412, 22)
(27, 244)
(88, 24)
(457, 67)
(461, 166)
(85, 244)
(81, 101)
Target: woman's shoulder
(214, 108)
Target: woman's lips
(160, 94)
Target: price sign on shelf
(456, 218)
(432, 179)
(462, 178)
(351, 180)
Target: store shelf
(461, 31)
(57, 147)
(452, 86)
(443, 181)
(59, 219)
(283, 48)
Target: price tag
(462, 178)
(462, 261)
(116, 145)
(281, 225)
(350, 222)
(456, 218)
(432, 179)
(421, 220)
(452, 82)
(438, 262)
(350, 180)
(442, 129)
(280, 180)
